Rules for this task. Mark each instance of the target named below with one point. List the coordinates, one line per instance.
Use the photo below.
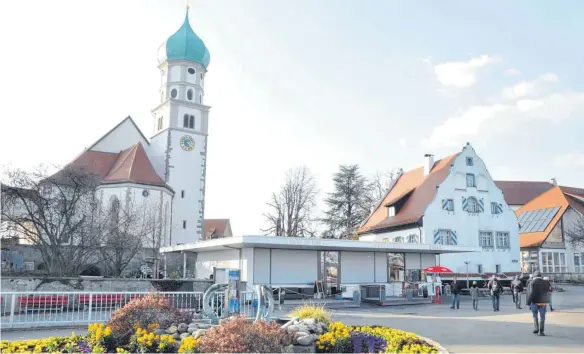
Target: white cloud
(462, 73)
(571, 159)
(460, 127)
(529, 88)
(512, 72)
(402, 142)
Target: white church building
(167, 170)
(452, 201)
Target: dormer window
(470, 180)
(390, 211)
(469, 161)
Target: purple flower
(83, 347)
(372, 343)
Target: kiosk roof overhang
(315, 244)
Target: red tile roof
(419, 191)
(215, 226)
(552, 198)
(521, 192)
(131, 165)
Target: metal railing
(39, 309)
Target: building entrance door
(329, 272)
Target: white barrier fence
(41, 309)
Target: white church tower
(181, 120)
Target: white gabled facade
(493, 226)
(468, 209)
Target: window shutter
(454, 238)
(481, 205)
(436, 236)
(464, 203)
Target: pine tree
(347, 206)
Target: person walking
(517, 289)
(474, 293)
(455, 289)
(537, 300)
(551, 290)
(495, 288)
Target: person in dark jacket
(538, 298)
(496, 289)
(455, 290)
(517, 289)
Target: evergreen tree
(347, 206)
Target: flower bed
(131, 331)
(366, 339)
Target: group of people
(538, 296)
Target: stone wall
(83, 284)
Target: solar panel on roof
(536, 220)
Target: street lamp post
(467, 282)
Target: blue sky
(319, 83)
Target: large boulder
(199, 333)
(184, 335)
(172, 330)
(305, 340)
(182, 328)
(309, 321)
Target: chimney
(554, 181)
(428, 163)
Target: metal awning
(317, 244)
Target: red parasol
(437, 269)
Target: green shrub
(312, 311)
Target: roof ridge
(119, 165)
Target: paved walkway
(458, 331)
(466, 330)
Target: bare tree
(56, 213)
(377, 188)
(124, 230)
(291, 210)
(575, 232)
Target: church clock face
(187, 143)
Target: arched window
(114, 210)
(192, 122)
(186, 121)
(190, 95)
(173, 93)
(159, 123)
(472, 205)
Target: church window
(200, 98)
(192, 122)
(159, 123)
(182, 194)
(114, 210)
(190, 95)
(186, 121)
(191, 71)
(469, 161)
(184, 224)
(173, 93)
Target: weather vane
(187, 5)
